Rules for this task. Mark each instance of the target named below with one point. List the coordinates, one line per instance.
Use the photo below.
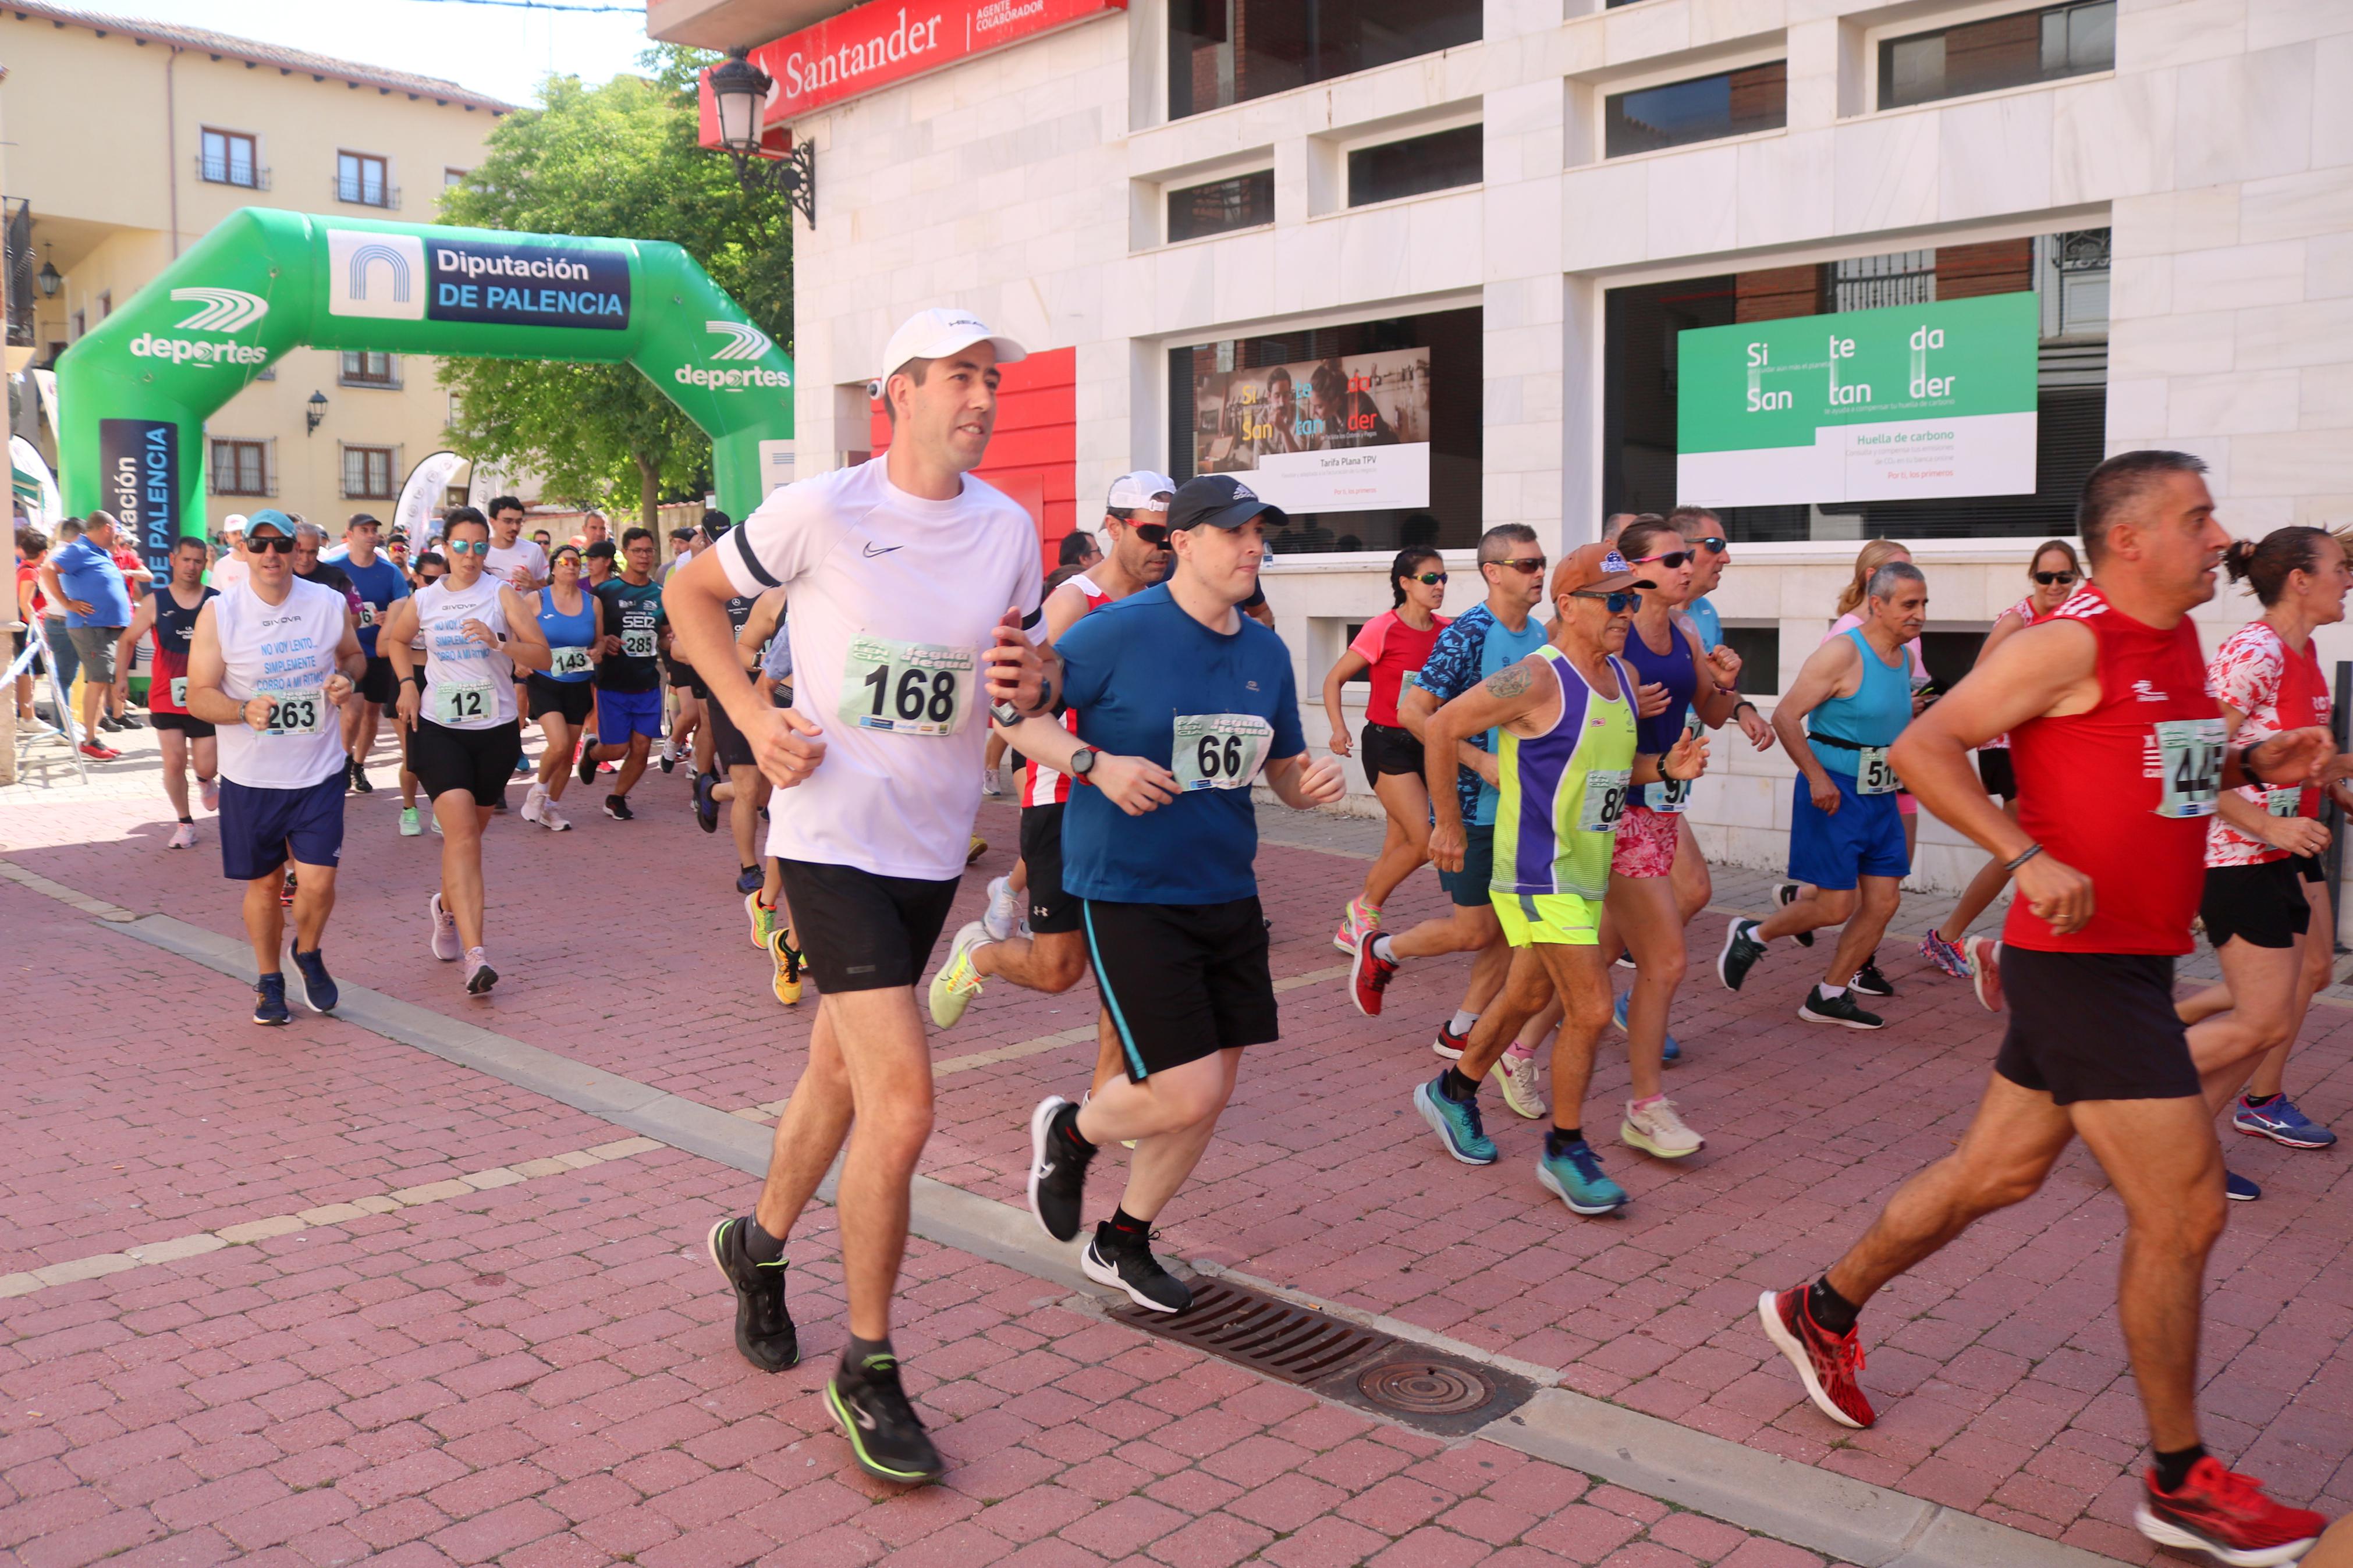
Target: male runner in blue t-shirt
(1182, 703)
(380, 583)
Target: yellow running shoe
(958, 981)
(764, 919)
(979, 848)
(787, 982)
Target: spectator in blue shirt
(82, 576)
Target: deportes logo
(221, 309)
(745, 340)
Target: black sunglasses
(1670, 558)
(1715, 545)
(275, 544)
(1519, 564)
(1153, 533)
(1428, 579)
(2049, 579)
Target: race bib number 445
(1218, 750)
(907, 688)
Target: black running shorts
(1052, 910)
(1386, 749)
(478, 761)
(2093, 1025)
(187, 724)
(733, 750)
(861, 931)
(1996, 772)
(1180, 980)
(2263, 906)
(378, 684)
(567, 699)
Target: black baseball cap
(1219, 500)
(714, 525)
(602, 549)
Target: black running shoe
(1784, 895)
(1126, 1263)
(1841, 1009)
(588, 769)
(706, 805)
(270, 1000)
(1057, 1171)
(765, 1334)
(360, 779)
(616, 806)
(886, 1436)
(1870, 982)
(1741, 951)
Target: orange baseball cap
(1595, 567)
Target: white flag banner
(46, 380)
(428, 481)
(36, 487)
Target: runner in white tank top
(463, 737)
(270, 663)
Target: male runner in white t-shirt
(915, 591)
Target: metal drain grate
(1340, 1360)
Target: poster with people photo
(1345, 434)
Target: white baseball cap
(1142, 490)
(941, 332)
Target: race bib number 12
(2189, 750)
(907, 689)
(1218, 750)
(456, 703)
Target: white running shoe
(183, 837)
(445, 946)
(1523, 1081)
(553, 819)
(432, 820)
(1004, 911)
(479, 975)
(208, 791)
(1657, 1130)
(533, 800)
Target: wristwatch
(1083, 762)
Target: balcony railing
(18, 230)
(229, 172)
(367, 194)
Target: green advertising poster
(1903, 404)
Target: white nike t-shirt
(892, 597)
(502, 560)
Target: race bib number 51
(2189, 750)
(1872, 772)
(296, 713)
(907, 689)
(1218, 750)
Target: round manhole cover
(1425, 1388)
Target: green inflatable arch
(135, 392)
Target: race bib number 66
(1218, 750)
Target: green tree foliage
(619, 160)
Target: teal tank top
(1873, 716)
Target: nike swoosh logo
(857, 1414)
(886, 550)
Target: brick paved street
(454, 1319)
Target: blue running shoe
(750, 881)
(319, 993)
(1674, 1052)
(1575, 1176)
(1456, 1124)
(270, 1000)
(2238, 1189)
(2281, 1122)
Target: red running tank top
(2090, 786)
(1041, 785)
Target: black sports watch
(1083, 762)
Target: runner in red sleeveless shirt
(1051, 956)
(166, 619)
(2120, 752)
(2055, 570)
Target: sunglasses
(1670, 559)
(1529, 564)
(1426, 579)
(2052, 579)
(275, 544)
(1714, 545)
(467, 546)
(1153, 533)
(1617, 601)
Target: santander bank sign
(887, 41)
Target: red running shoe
(1368, 975)
(1983, 957)
(2224, 1513)
(1449, 1043)
(97, 753)
(1827, 1361)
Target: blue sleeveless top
(1873, 716)
(566, 631)
(1673, 669)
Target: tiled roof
(286, 61)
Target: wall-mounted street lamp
(739, 89)
(49, 277)
(313, 412)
